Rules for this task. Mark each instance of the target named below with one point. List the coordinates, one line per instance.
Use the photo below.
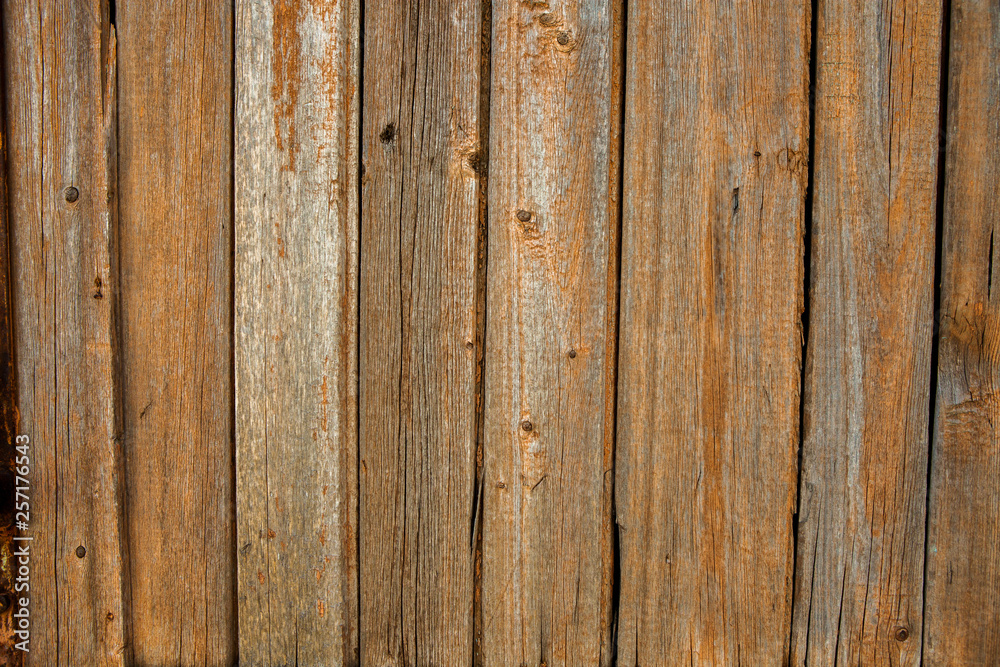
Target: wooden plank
(420, 215)
(715, 175)
(296, 323)
(859, 576)
(962, 610)
(176, 232)
(61, 130)
(550, 339)
(9, 596)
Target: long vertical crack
(938, 255)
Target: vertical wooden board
(60, 67)
(421, 158)
(715, 174)
(859, 571)
(175, 128)
(9, 655)
(962, 610)
(296, 313)
(550, 332)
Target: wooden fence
(500, 332)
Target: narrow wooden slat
(859, 578)
(419, 224)
(962, 610)
(60, 71)
(296, 314)
(715, 174)
(175, 132)
(9, 596)
(550, 332)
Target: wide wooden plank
(175, 120)
(60, 75)
(421, 156)
(962, 610)
(295, 330)
(550, 332)
(715, 175)
(859, 577)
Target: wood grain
(859, 575)
(9, 655)
(550, 333)
(296, 323)
(61, 129)
(420, 217)
(715, 174)
(962, 612)
(175, 167)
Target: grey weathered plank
(175, 193)
(550, 332)
(861, 524)
(295, 330)
(962, 610)
(420, 215)
(60, 75)
(715, 174)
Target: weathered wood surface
(421, 157)
(859, 575)
(550, 333)
(61, 158)
(962, 617)
(175, 188)
(296, 322)
(9, 656)
(715, 174)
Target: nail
(563, 38)
(71, 194)
(523, 216)
(526, 425)
(80, 551)
(572, 354)
(902, 634)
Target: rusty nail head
(902, 634)
(563, 38)
(526, 425)
(572, 354)
(71, 194)
(523, 216)
(81, 551)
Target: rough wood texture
(962, 612)
(714, 183)
(60, 64)
(296, 324)
(175, 116)
(419, 225)
(550, 333)
(860, 560)
(9, 656)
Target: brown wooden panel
(715, 174)
(9, 503)
(962, 612)
(60, 73)
(420, 215)
(175, 119)
(296, 323)
(550, 332)
(859, 578)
